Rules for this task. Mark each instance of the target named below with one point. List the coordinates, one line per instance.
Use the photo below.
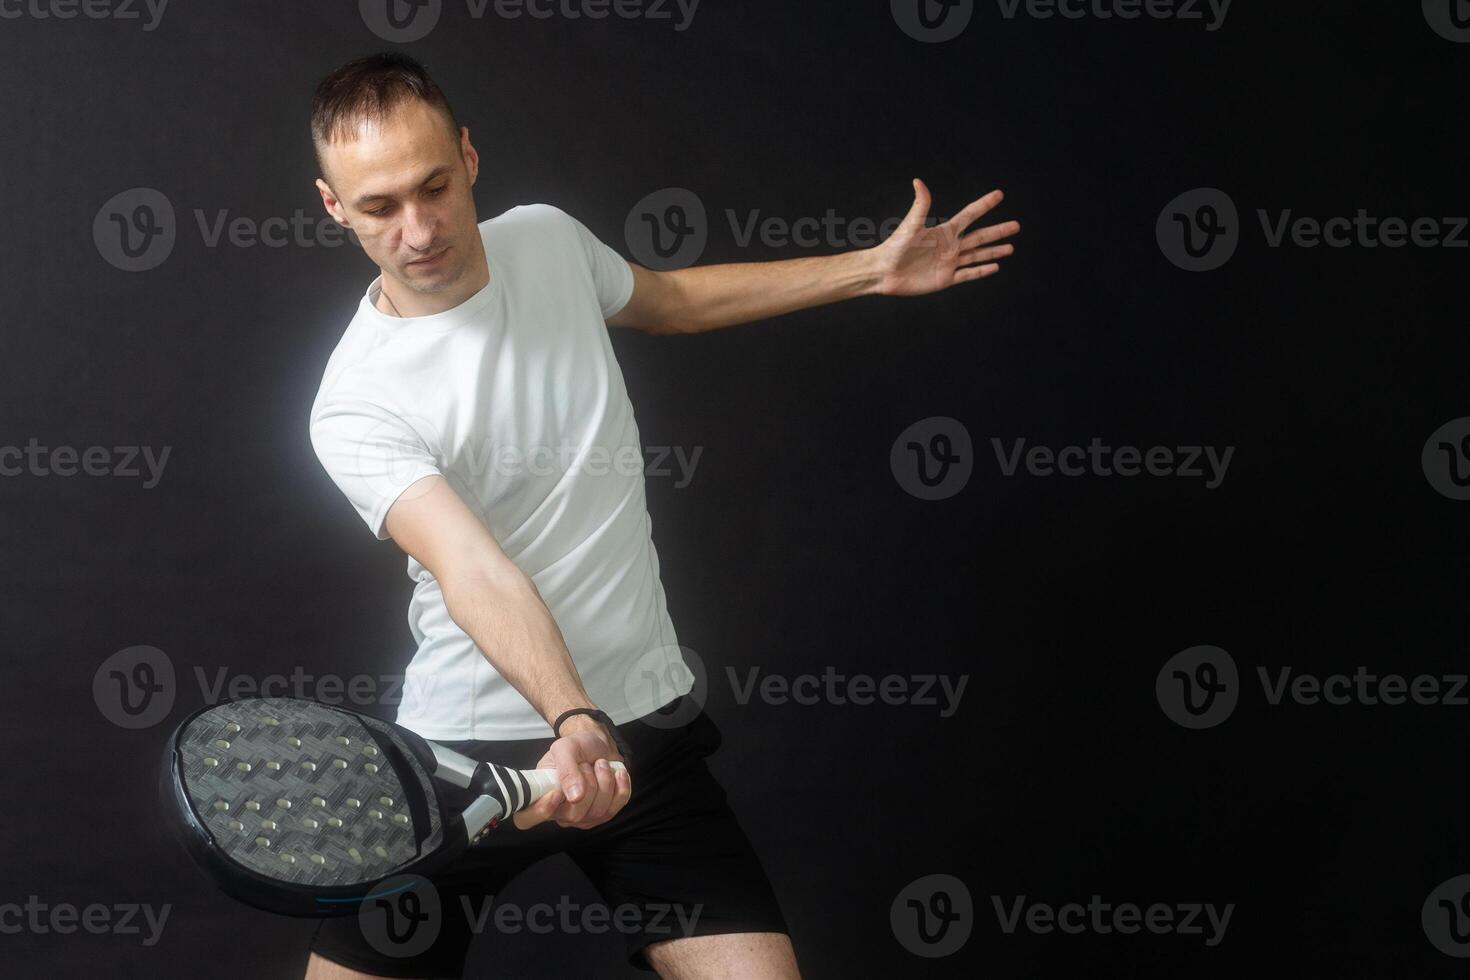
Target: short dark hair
(369, 89)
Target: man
(479, 354)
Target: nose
(418, 230)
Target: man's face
(404, 188)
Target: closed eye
(435, 192)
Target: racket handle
(543, 781)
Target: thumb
(539, 812)
(920, 209)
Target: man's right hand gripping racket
(300, 808)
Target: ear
(471, 157)
(330, 202)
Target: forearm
(510, 624)
(713, 296)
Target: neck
(396, 299)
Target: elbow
(465, 590)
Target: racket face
(299, 807)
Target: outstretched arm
(914, 260)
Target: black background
(794, 548)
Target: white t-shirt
(515, 397)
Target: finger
(568, 773)
(540, 811)
(607, 789)
(990, 233)
(574, 812)
(975, 209)
(623, 793)
(920, 209)
(985, 254)
(974, 272)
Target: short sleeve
(611, 275)
(373, 455)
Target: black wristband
(599, 715)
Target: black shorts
(673, 862)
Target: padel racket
(300, 808)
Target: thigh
(425, 929)
(676, 862)
(733, 956)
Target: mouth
(428, 261)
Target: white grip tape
(543, 781)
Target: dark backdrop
(796, 548)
